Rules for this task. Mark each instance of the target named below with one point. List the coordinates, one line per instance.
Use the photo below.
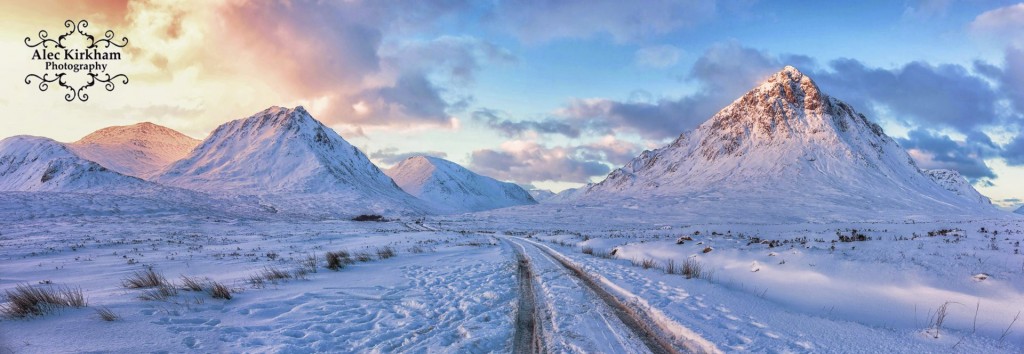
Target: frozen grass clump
(25, 300)
(144, 279)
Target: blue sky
(554, 94)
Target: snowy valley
(787, 222)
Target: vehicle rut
(527, 338)
(636, 321)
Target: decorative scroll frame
(76, 92)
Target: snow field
(442, 291)
(873, 287)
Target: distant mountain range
(291, 162)
(783, 151)
(540, 195)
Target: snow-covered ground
(441, 291)
(452, 285)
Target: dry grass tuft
(338, 260)
(219, 291)
(144, 279)
(26, 300)
(160, 293)
(106, 314)
(191, 283)
(385, 252)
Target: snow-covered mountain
(783, 151)
(570, 194)
(1020, 210)
(138, 150)
(540, 195)
(40, 178)
(31, 164)
(954, 182)
(449, 187)
(292, 163)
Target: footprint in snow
(804, 345)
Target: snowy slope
(1020, 210)
(136, 150)
(29, 164)
(540, 195)
(952, 181)
(293, 163)
(450, 187)
(783, 151)
(42, 178)
(569, 195)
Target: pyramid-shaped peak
(283, 112)
(791, 70)
(790, 77)
(424, 163)
(785, 94)
(279, 119)
(428, 159)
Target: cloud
(340, 59)
(926, 9)
(608, 148)
(948, 95)
(412, 98)
(724, 72)
(1010, 77)
(732, 69)
(658, 57)
(933, 151)
(541, 21)
(457, 59)
(499, 121)
(662, 119)
(528, 162)
(391, 156)
(1014, 151)
(1004, 23)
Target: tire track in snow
(628, 318)
(527, 337)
